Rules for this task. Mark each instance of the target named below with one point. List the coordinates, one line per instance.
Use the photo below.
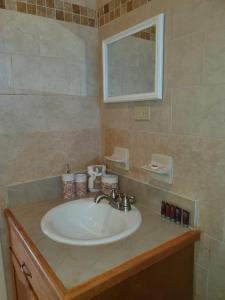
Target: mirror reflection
(131, 64)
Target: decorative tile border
(2, 3)
(74, 13)
(116, 8)
(55, 9)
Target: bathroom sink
(83, 222)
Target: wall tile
(17, 39)
(187, 61)
(2, 43)
(205, 105)
(47, 39)
(202, 251)
(211, 221)
(38, 155)
(46, 113)
(6, 83)
(216, 286)
(200, 283)
(196, 15)
(214, 66)
(116, 116)
(49, 75)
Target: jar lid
(68, 177)
(81, 177)
(109, 178)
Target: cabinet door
(23, 289)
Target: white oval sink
(83, 222)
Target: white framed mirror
(133, 63)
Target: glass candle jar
(81, 185)
(68, 182)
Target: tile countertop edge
(101, 282)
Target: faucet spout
(112, 202)
(101, 197)
(117, 200)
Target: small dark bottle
(163, 209)
(167, 210)
(178, 215)
(186, 218)
(172, 213)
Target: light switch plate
(142, 113)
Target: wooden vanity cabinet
(33, 278)
(23, 289)
(164, 273)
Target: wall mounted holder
(161, 168)
(121, 157)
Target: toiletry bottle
(68, 182)
(163, 209)
(186, 218)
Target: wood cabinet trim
(35, 255)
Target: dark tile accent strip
(116, 8)
(74, 13)
(2, 3)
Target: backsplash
(33, 191)
(153, 196)
(51, 188)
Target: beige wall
(49, 112)
(188, 125)
(48, 98)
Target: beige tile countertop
(75, 265)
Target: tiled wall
(48, 99)
(45, 120)
(188, 125)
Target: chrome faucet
(117, 200)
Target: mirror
(133, 63)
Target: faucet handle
(131, 198)
(125, 204)
(114, 194)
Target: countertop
(75, 265)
